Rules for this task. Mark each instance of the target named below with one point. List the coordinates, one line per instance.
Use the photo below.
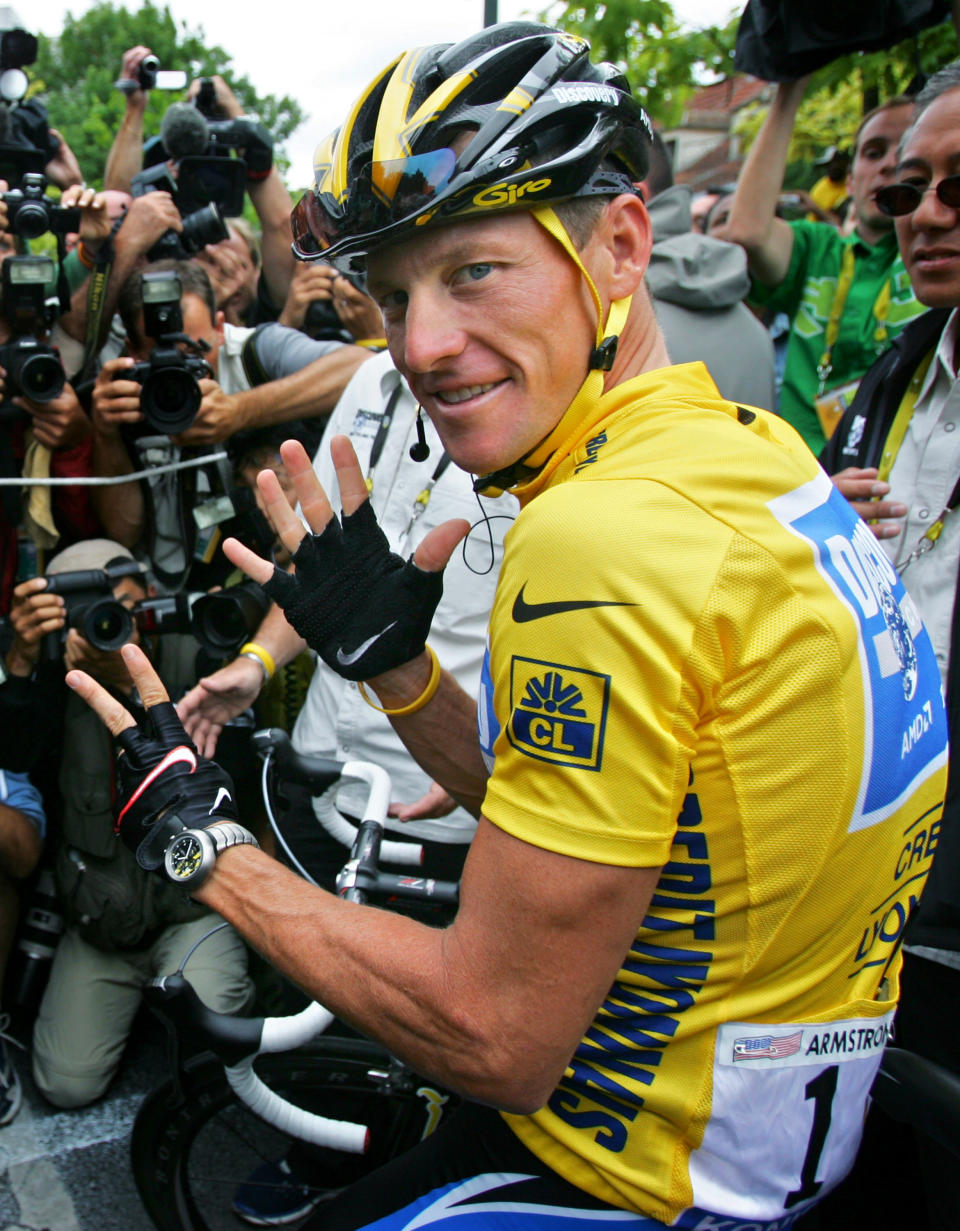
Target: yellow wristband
(433, 683)
(264, 657)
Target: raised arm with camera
(126, 154)
(267, 192)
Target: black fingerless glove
(361, 606)
(166, 786)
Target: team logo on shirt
(558, 713)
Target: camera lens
(107, 624)
(41, 378)
(170, 399)
(31, 220)
(205, 226)
(222, 622)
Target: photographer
(320, 298)
(847, 296)
(120, 930)
(271, 375)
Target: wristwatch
(190, 856)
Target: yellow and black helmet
(547, 125)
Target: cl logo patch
(509, 194)
(558, 713)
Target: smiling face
(492, 325)
(874, 166)
(929, 238)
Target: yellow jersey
(701, 660)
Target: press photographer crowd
(156, 350)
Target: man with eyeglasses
(896, 456)
(847, 296)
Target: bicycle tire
(190, 1151)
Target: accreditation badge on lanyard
(831, 403)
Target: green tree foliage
(664, 63)
(75, 72)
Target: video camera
(33, 368)
(203, 148)
(26, 143)
(150, 76)
(91, 607)
(170, 392)
(31, 214)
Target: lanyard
(891, 447)
(881, 310)
(423, 499)
(380, 439)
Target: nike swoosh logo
(347, 660)
(222, 794)
(524, 611)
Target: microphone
(420, 450)
(184, 131)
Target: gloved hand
(361, 606)
(166, 786)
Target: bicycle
(194, 1138)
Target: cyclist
(712, 744)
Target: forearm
(274, 206)
(313, 390)
(441, 737)
(125, 159)
(119, 506)
(420, 991)
(19, 843)
(281, 641)
(753, 223)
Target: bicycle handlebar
(238, 1041)
(322, 775)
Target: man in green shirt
(847, 296)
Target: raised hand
(362, 607)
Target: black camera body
(33, 367)
(31, 214)
(91, 608)
(170, 391)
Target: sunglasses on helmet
(896, 200)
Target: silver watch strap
(225, 834)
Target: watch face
(184, 857)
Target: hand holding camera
(35, 612)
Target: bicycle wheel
(190, 1153)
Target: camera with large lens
(31, 214)
(201, 225)
(33, 368)
(221, 621)
(204, 226)
(169, 380)
(91, 608)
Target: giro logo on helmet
(509, 194)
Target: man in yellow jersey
(709, 716)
